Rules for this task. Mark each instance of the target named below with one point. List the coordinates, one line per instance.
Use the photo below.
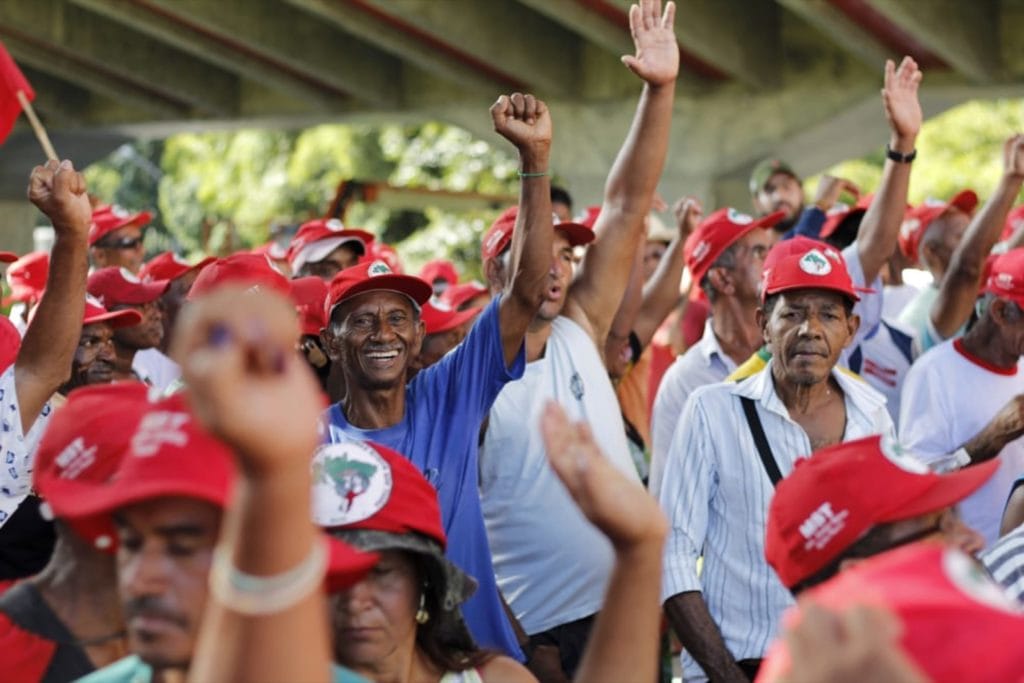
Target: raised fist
(59, 192)
(523, 120)
(689, 213)
(657, 52)
(1013, 156)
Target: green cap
(765, 170)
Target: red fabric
(456, 295)
(440, 269)
(107, 219)
(958, 346)
(27, 276)
(1014, 220)
(309, 295)
(1005, 276)
(11, 81)
(920, 217)
(115, 286)
(26, 656)
(803, 263)
(169, 266)
(840, 492)
(322, 229)
(10, 342)
(838, 213)
(370, 276)
(245, 269)
(440, 317)
(716, 233)
(96, 313)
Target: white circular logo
(351, 482)
(120, 211)
(815, 263)
(378, 268)
(334, 224)
(894, 453)
(967, 575)
(739, 218)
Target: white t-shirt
(896, 299)
(17, 450)
(949, 397)
(152, 366)
(552, 565)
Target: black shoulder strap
(761, 441)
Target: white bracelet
(255, 595)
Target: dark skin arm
(959, 287)
(525, 122)
(44, 360)
(880, 228)
(597, 291)
(689, 617)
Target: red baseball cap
(839, 493)
(456, 295)
(363, 485)
(957, 624)
(803, 263)
(309, 294)
(438, 316)
(115, 286)
(27, 277)
(439, 269)
(378, 251)
(499, 235)
(917, 219)
(840, 212)
(10, 342)
(254, 271)
(716, 233)
(169, 266)
(96, 313)
(317, 238)
(1005, 276)
(589, 216)
(273, 249)
(106, 219)
(374, 276)
(1014, 221)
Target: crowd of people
(741, 438)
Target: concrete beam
(297, 40)
(355, 21)
(964, 34)
(210, 47)
(740, 38)
(502, 35)
(582, 21)
(838, 27)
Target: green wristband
(532, 175)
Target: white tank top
(467, 676)
(552, 565)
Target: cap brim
(409, 285)
(76, 499)
(8, 257)
(116, 319)
(966, 201)
(948, 490)
(321, 249)
(577, 233)
(346, 566)
(456, 319)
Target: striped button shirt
(1005, 562)
(715, 492)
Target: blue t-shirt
(444, 408)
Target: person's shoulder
(340, 674)
(131, 669)
(502, 669)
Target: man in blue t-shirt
(375, 332)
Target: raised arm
(624, 643)
(959, 287)
(880, 228)
(599, 286)
(524, 121)
(44, 360)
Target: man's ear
(97, 257)
(852, 325)
(331, 343)
(721, 280)
(761, 318)
(417, 342)
(492, 273)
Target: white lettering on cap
(75, 459)
(159, 428)
(822, 525)
(351, 482)
(701, 251)
(1004, 281)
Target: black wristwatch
(899, 158)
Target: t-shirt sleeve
(869, 308)
(687, 487)
(470, 377)
(811, 220)
(17, 450)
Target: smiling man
(736, 441)
(95, 361)
(375, 332)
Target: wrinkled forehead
(811, 298)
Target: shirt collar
(708, 345)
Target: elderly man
(115, 238)
(736, 441)
(375, 333)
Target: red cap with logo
(169, 266)
(27, 277)
(917, 219)
(253, 271)
(456, 295)
(371, 277)
(438, 316)
(1005, 276)
(499, 235)
(107, 219)
(96, 313)
(716, 233)
(316, 239)
(803, 263)
(838, 494)
(957, 624)
(309, 294)
(115, 286)
(363, 485)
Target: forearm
(637, 168)
(689, 617)
(661, 294)
(624, 643)
(879, 230)
(44, 360)
(268, 531)
(629, 308)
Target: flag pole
(37, 127)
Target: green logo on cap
(815, 263)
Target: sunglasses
(123, 243)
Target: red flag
(11, 81)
